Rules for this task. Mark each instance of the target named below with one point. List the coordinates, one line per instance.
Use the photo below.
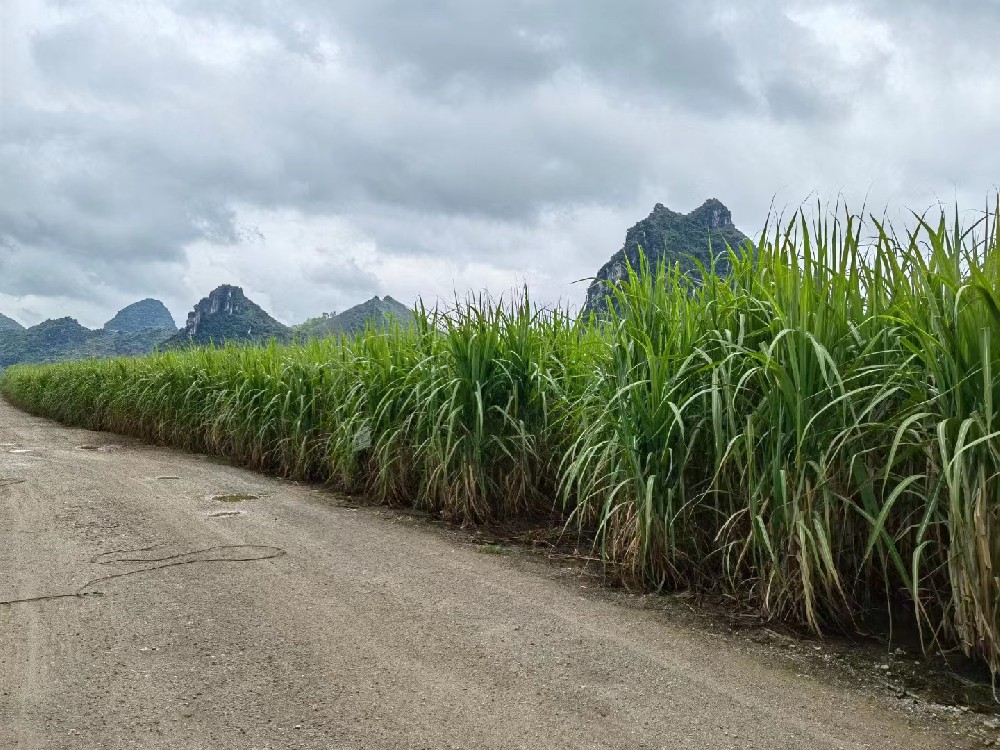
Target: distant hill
(227, 314)
(378, 313)
(64, 339)
(9, 324)
(676, 238)
(59, 334)
(224, 315)
(46, 342)
(142, 316)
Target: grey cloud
(345, 276)
(43, 273)
(452, 46)
(961, 11)
(295, 141)
(791, 99)
(669, 46)
(646, 52)
(93, 55)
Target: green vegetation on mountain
(814, 436)
(9, 324)
(66, 339)
(59, 334)
(142, 316)
(684, 240)
(227, 314)
(376, 313)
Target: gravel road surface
(290, 621)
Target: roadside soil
(222, 609)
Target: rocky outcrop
(227, 314)
(665, 235)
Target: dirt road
(362, 633)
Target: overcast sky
(318, 152)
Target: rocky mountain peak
(227, 314)
(713, 214)
(224, 300)
(665, 235)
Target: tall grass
(814, 434)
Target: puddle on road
(237, 498)
(21, 450)
(101, 448)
